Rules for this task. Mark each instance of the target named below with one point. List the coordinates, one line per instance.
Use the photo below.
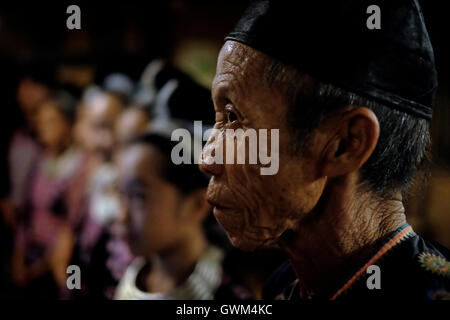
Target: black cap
(331, 41)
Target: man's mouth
(217, 204)
(224, 213)
(220, 205)
(218, 211)
(221, 200)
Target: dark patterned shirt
(409, 267)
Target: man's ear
(197, 207)
(353, 137)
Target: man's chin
(244, 244)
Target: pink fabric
(23, 153)
(41, 225)
(45, 223)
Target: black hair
(187, 178)
(65, 103)
(403, 145)
(40, 70)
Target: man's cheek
(243, 181)
(232, 222)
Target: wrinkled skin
(316, 207)
(255, 209)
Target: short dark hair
(65, 103)
(187, 178)
(403, 144)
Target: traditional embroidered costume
(410, 268)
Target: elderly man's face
(256, 209)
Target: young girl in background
(164, 209)
(45, 239)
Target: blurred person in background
(33, 88)
(8, 81)
(164, 208)
(96, 203)
(119, 85)
(148, 98)
(134, 121)
(98, 115)
(44, 239)
(149, 94)
(153, 103)
(154, 85)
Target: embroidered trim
(404, 233)
(439, 295)
(435, 264)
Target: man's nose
(208, 162)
